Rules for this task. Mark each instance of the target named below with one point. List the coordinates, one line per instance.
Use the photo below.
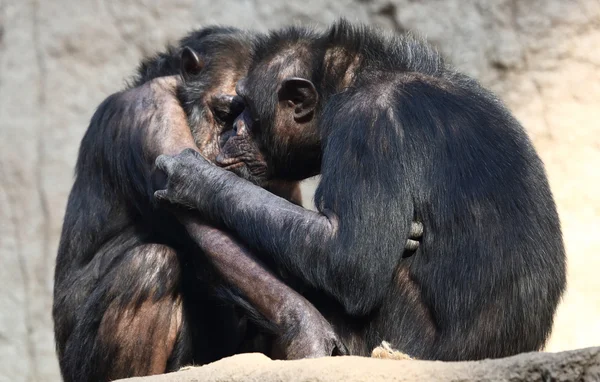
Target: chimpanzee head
(276, 136)
(210, 66)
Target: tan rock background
(60, 58)
(576, 365)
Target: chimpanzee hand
(307, 334)
(189, 179)
(414, 237)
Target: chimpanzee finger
(416, 230)
(411, 245)
(165, 163)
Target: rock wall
(59, 59)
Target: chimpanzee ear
(300, 94)
(191, 64)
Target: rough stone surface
(60, 58)
(579, 365)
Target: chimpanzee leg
(132, 321)
(302, 331)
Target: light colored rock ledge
(576, 365)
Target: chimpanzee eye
(226, 107)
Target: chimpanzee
(134, 294)
(396, 135)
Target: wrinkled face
(214, 125)
(275, 136)
(242, 152)
(240, 149)
(208, 97)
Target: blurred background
(59, 59)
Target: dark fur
(127, 270)
(397, 134)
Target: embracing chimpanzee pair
(436, 229)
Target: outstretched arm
(270, 223)
(305, 242)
